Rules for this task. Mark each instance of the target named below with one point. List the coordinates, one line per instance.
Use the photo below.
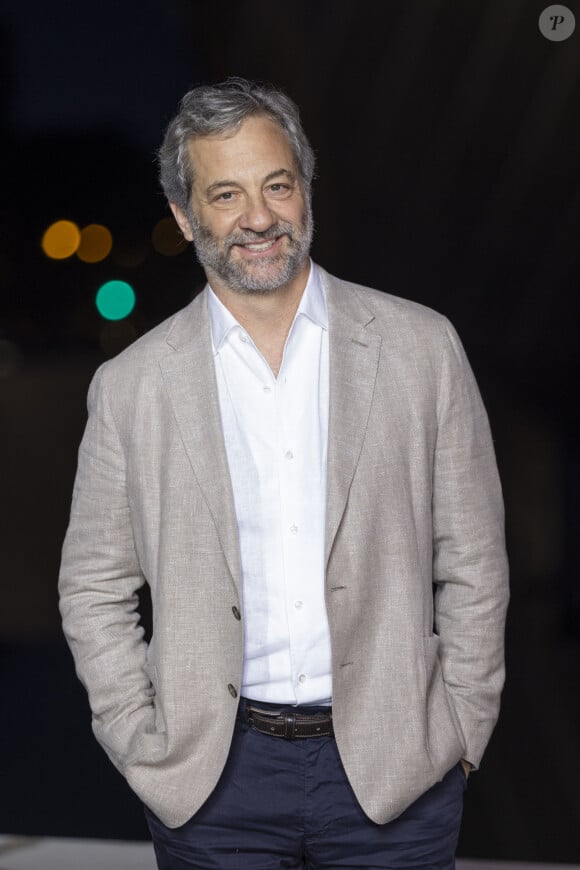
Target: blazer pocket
(445, 741)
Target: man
(293, 464)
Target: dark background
(447, 136)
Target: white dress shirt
(275, 433)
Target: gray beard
(215, 255)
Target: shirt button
(298, 604)
(232, 690)
(236, 612)
(293, 529)
(243, 338)
(302, 678)
(267, 389)
(289, 454)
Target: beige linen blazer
(413, 500)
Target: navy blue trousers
(288, 804)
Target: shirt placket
(293, 521)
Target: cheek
(292, 213)
(223, 225)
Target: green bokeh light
(115, 300)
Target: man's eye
(226, 196)
(276, 188)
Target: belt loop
(289, 725)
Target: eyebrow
(277, 172)
(218, 185)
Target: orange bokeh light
(95, 244)
(61, 240)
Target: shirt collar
(312, 305)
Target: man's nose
(257, 215)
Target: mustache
(250, 236)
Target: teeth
(260, 246)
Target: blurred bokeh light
(115, 300)
(167, 239)
(95, 244)
(129, 254)
(116, 335)
(61, 240)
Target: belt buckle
(274, 713)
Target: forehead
(258, 147)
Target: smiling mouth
(259, 247)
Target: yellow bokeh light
(96, 243)
(61, 240)
(167, 238)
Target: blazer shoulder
(388, 310)
(142, 356)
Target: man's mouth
(260, 246)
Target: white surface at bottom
(40, 853)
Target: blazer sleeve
(98, 584)
(470, 569)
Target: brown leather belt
(289, 726)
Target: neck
(263, 311)
(266, 317)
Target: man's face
(248, 218)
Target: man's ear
(182, 221)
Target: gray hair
(212, 109)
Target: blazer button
(232, 690)
(236, 612)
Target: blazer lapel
(354, 359)
(189, 376)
